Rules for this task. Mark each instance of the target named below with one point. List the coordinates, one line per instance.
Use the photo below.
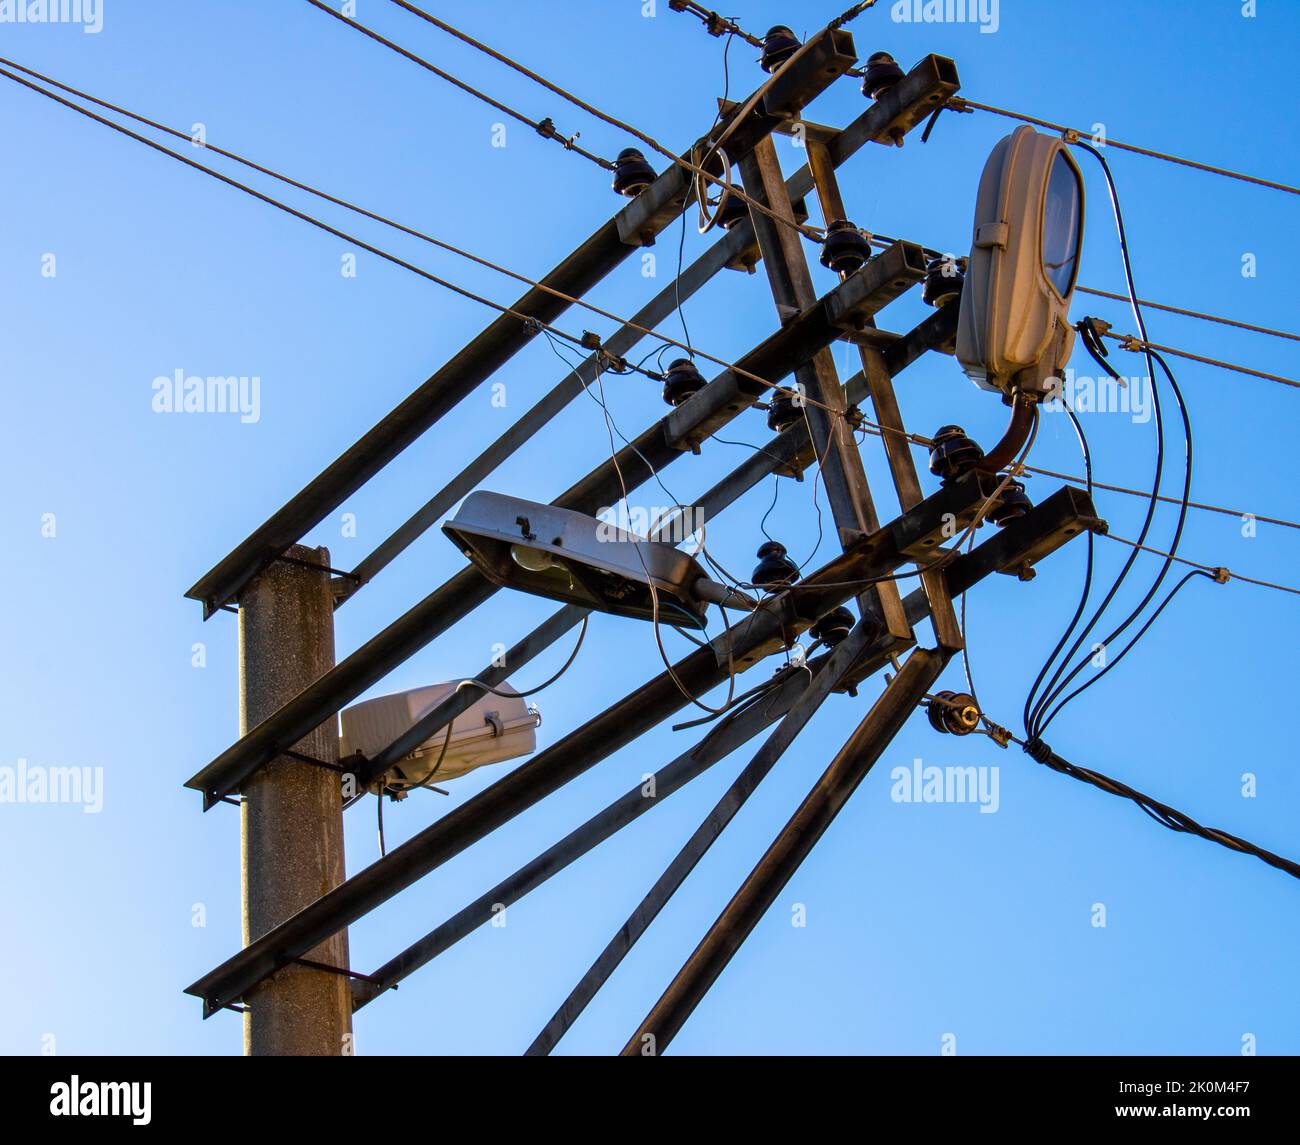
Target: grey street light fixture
(1014, 330)
(569, 556)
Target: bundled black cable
(1162, 813)
(1039, 712)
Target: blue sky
(922, 920)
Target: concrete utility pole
(292, 811)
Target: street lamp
(569, 556)
(1014, 331)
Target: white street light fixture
(498, 726)
(566, 555)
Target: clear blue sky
(922, 920)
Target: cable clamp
(1037, 750)
(1070, 135)
(996, 732)
(1222, 575)
(611, 363)
(1131, 342)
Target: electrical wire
(698, 172)
(1130, 343)
(1166, 500)
(1071, 135)
(1185, 313)
(529, 320)
(1162, 813)
(1087, 576)
(1044, 718)
(1056, 684)
(611, 428)
(821, 463)
(301, 215)
(919, 441)
(970, 542)
(885, 241)
(1222, 572)
(654, 591)
(544, 127)
(681, 244)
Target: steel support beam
(795, 842)
(697, 846)
(789, 452)
(843, 475)
(1048, 526)
(888, 416)
(637, 224)
(716, 258)
(732, 732)
(1040, 532)
(763, 632)
(648, 454)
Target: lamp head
(571, 557)
(1013, 329)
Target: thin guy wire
(304, 217)
(1185, 313)
(959, 103)
(543, 127)
(1130, 341)
(884, 241)
(1220, 569)
(808, 231)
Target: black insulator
(881, 73)
(846, 248)
(782, 409)
(632, 174)
(779, 45)
(952, 453)
(834, 627)
(1013, 503)
(953, 713)
(681, 381)
(774, 569)
(943, 281)
(732, 211)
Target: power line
(811, 232)
(919, 441)
(882, 241)
(1057, 685)
(1131, 342)
(1192, 314)
(1167, 500)
(303, 216)
(916, 440)
(1072, 135)
(1162, 813)
(1220, 572)
(545, 127)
